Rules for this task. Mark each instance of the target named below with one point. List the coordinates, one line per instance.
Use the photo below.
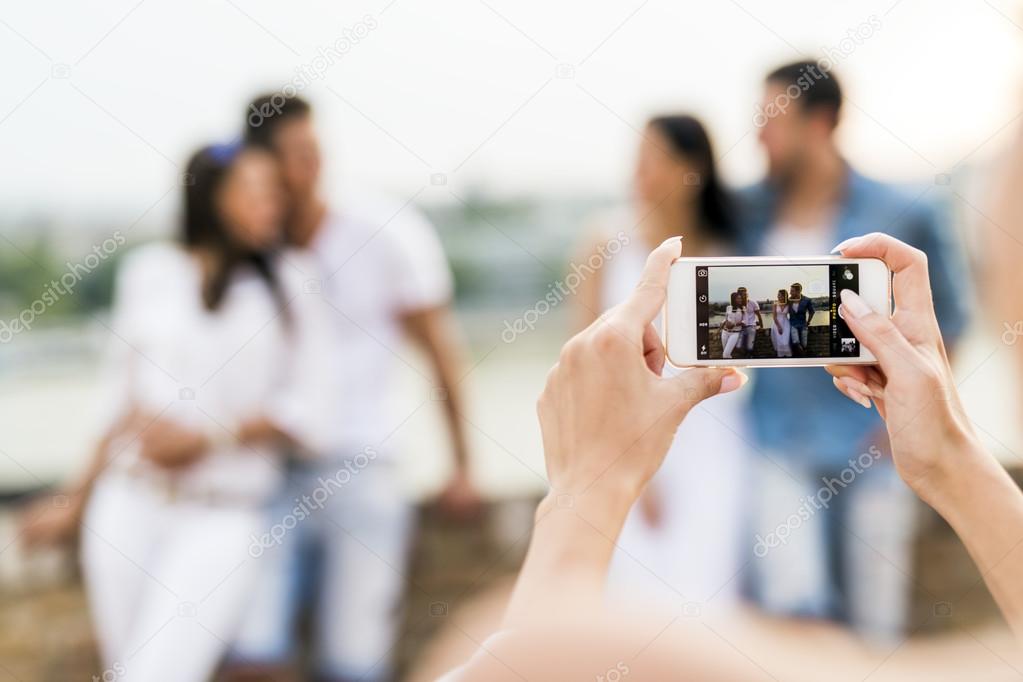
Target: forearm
(453, 411)
(436, 332)
(985, 508)
(566, 567)
(262, 430)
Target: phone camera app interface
(773, 311)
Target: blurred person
(608, 418)
(218, 366)
(780, 326)
(810, 199)
(731, 325)
(383, 277)
(671, 547)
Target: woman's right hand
(50, 520)
(912, 385)
(170, 445)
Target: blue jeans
(749, 337)
(833, 544)
(799, 336)
(342, 549)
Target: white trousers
(166, 580)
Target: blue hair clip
(224, 153)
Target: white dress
(780, 339)
(693, 558)
(167, 557)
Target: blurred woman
(731, 326)
(681, 542)
(219, 355)
(780, 329)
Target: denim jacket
(796, 412)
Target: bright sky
(763, 281)
(101, 101)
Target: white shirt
(749, 314)
(788, 240)
(735, 316)
(211, 370)
(374, 267)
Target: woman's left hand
(607, 414)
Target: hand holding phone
(769, 312)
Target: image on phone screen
(773, 311)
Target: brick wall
(45, 632)
(819, 341)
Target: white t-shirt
(787, 240)
(211, 370)
(735, 317)
(749, 314)
(374, 268)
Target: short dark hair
(818, 86)
(266, 113)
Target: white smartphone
(768, 312)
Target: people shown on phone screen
(801, 312)
(671, 545)
(780, 325)
(731, 326)
(751, 322)
(811, 199)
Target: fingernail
(674, 240)
(733, 382)
(853, 394)
(844, 245)
(853, 305)
(860, 398)
(858, 386)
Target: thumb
(876, 332)
(696, 385)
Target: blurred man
(827, 525)
(384, 275)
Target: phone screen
(773, 311)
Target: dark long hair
(689, 139)
(204, 228)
